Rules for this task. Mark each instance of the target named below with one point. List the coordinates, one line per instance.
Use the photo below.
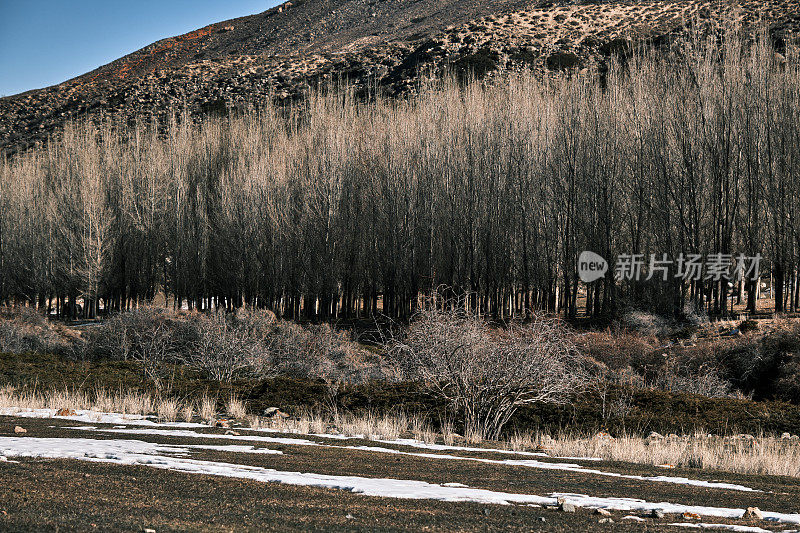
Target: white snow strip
(428, 446)
(633, 518)
(68, 448)
(131, 452)
(95, 417)
(528, 463)
(727, 527)
(444, 447)
(185, 433)
(235, 448)
(79, 448)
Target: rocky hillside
(279, 53)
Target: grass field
(117, 474)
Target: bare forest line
(340, 208)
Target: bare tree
(338, 208)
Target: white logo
(591, 267)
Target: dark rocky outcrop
(280, 53)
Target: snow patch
(528, 463)
(234, 448)
(185, 433)
(727, 527)
(444, 447)
(633, 518)
(95, 417)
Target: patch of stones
(606, 517)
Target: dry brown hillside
(279, 52)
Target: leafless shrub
(488, 373)
(704, 379)
(23, 315)
(224, 347)
(258, 324)
(617, 350)
(646, 323)
(322, 352)
(145, 335)
(25, 330)
(614, 387)
(220, 350)
(296, 351)
(695, 314)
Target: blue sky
(44, 42)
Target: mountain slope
(276, 53)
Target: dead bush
(258, 324)
(145, 335)
(322, 352)
(705, 380)
(488, 373)
(24, 330)
(222, 349)
(646, 323)
(694, 314)
(617, 349)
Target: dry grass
(235, 407)
(100, 400)
(368, 425)
(738, 454)
(168, 409)
(521, 441)
(373, 426)
(137, 403)
(254, 421)
(208, 408)
(449, 434)
(742, 454)
(421, 429)
(125, 402)
(318, 424)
